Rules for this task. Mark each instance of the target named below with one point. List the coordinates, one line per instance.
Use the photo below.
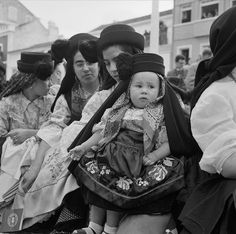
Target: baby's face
(144, 88)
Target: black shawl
(223, 46)
(177, 124)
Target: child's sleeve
(101, 125)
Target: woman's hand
(77, 152)
(20, 135)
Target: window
(185, 53)
(234, 3)
(209, 9)
(12, 13)
(186, 15)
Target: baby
(130, 141)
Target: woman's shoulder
(12, 99)
(224, 87)
(12, 103)
(105, 91)
(101, 95)
(217, 98)
(47, 102)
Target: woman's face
(109, 55)
(85, 71)
(40, 87)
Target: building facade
(192, 20)
(21, 30)
(142, 25)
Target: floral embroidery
(168, 161)
(55, 165)
(92, 167)
(141, 182)
(105, 170)
(159, 172)
(124, 183)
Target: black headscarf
(223, 46)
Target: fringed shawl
(152, 118)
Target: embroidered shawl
(153, 117)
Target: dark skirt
(115, 177)
(205, 207)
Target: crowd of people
(96, 139)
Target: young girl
(131, 146)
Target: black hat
(120, 34)
(37, 63)
(128, 64)
(148, 62)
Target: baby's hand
(77, 152)
(149, 159)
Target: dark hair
(207, 52)
(108, 81)
(179, 57)
(59, 50)
(17, 83)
